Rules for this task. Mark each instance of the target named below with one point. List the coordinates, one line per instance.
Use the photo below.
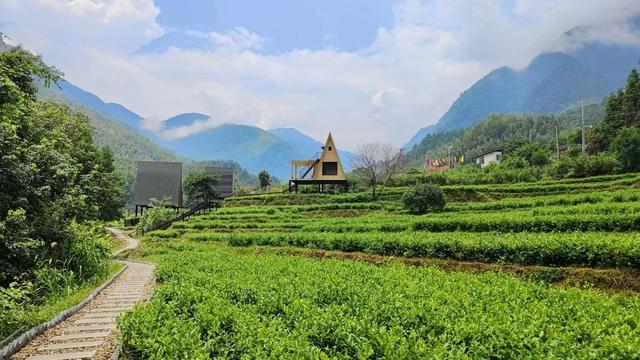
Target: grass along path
(27, 316)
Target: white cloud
(383, 98)
(185, 131)
(237, 38)
(406, 79)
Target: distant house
(159, 180)
(488, 158)
(227, 180)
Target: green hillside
(127, 145)
(253, 148)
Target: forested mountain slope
(549, 84)
(89, 100)
(251, 147)
(128, 146)
(501, 131)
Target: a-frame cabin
(325, 169)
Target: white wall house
(488, 158)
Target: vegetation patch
(219, 303)
(625, 281)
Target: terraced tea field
(536, 270)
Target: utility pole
(584, 146)
(557, 141)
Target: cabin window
(330, 168)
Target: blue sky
(286, 24)
(367, 70)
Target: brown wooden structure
(324, 168)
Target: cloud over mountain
(406, 78)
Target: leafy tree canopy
(626, 145)
(623, 110)
(200, 186)
(51, 172)
(264, 178)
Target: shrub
(165, 234)
(527, 154)
(600, 164)
(156, 214)
(584, 166)
(423, 198)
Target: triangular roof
(329, 154)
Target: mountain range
(253, 148)
(549, 84)
(127, 145)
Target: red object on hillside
(432, 165)
(437, 168)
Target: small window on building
(329, 148)
(330, 168)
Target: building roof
(330, 156)
(489, 152)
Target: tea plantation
(533, 270)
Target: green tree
(631, 99)
(51, 172)
(623, 110)
(97, 194)
(20, 67)
(534, 153)
(626, 146)
(200, 186)
(265, 179)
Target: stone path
(91, 333)
(129, 242)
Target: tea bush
(423, 198)
(592, 249)
(216, 303)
